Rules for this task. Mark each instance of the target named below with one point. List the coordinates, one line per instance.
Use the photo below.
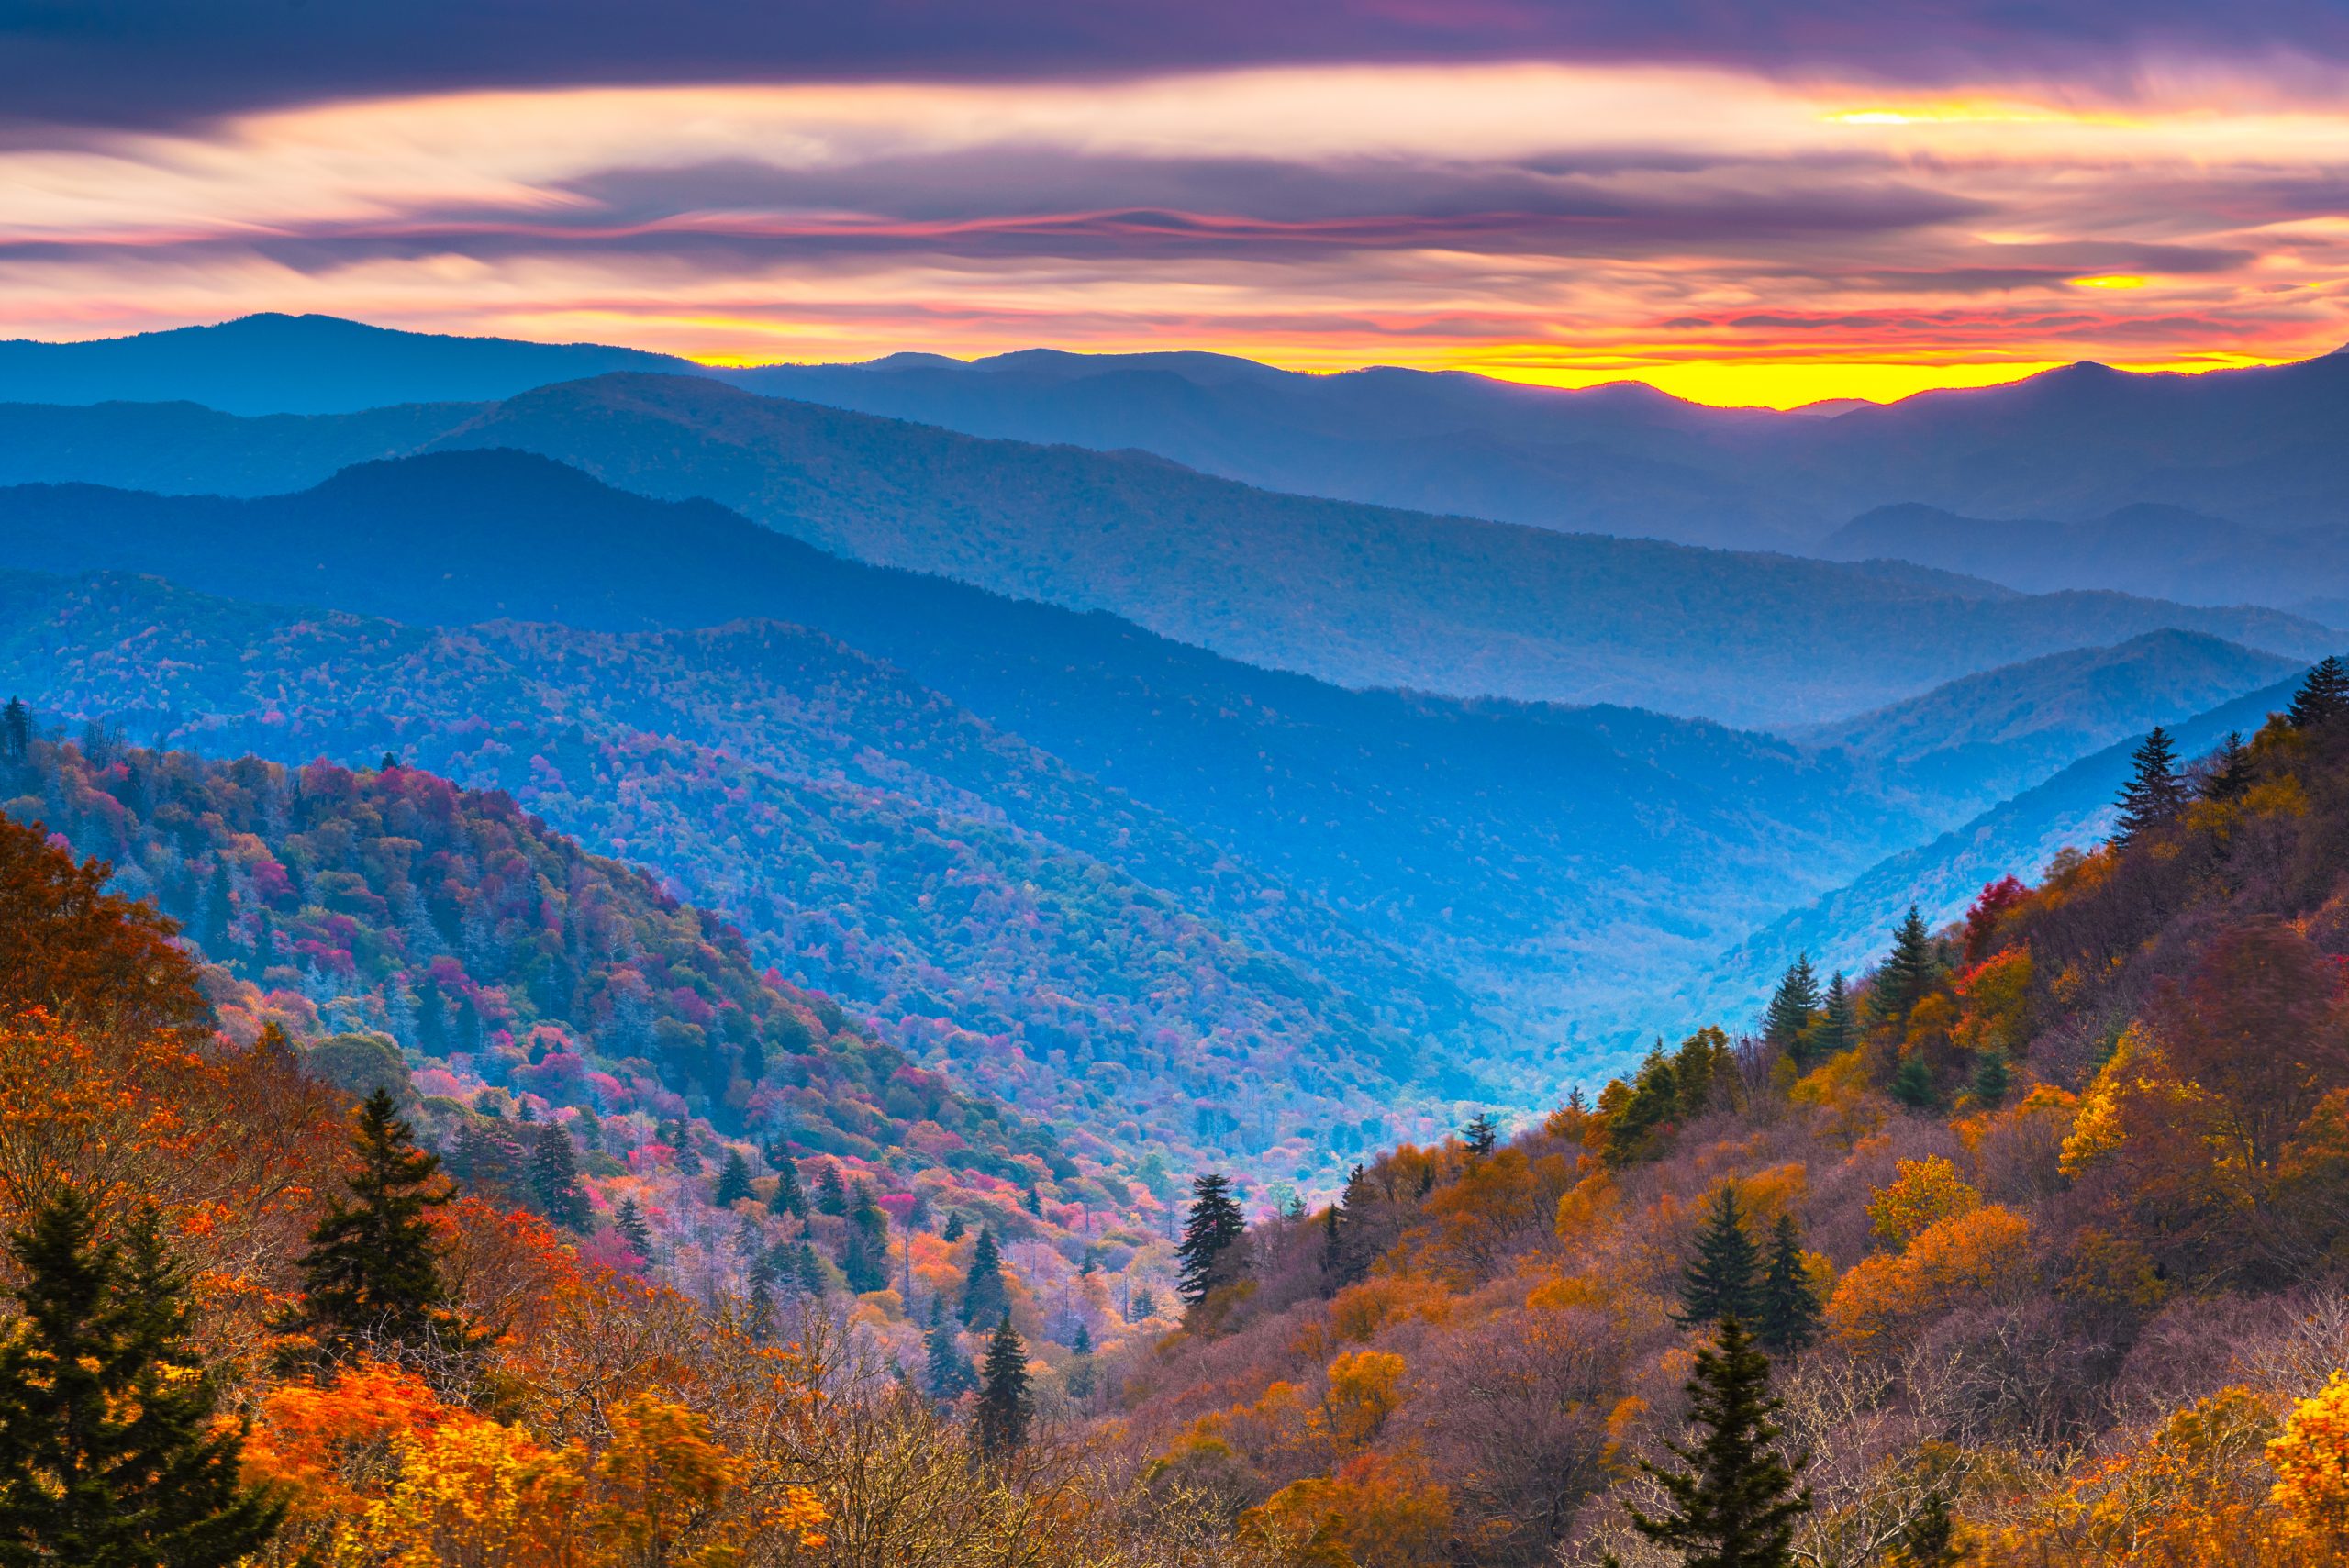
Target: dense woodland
(2020, 1248)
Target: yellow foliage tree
(1923, 1193)
(1980, 1254)
(1365, 1387)
(2311, 1459)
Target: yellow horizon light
(2110, 281)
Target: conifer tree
(1912, 1084)
(1079, 1378)
(1838, 1023)
(1723, 1279)
(2154, 794)
(1652, 1103)
(371, 1275)
(15, 734)
(758, 1318)
(831, 1192)
(1787, 1313)
(1908, 971)
(688, 1149)
(554, 1178)
(1004, 1407)
(1736, 1504)
(865, 1257)
(1345, 1258)
(112, 1454)
(2324, 696)
(809, 1269)
(1992, 1078)
(788, 1198)
(984, 1296)
(1215, 1238)
(1033, 1203)
(2228, 771)
(733, 1181)
(629, 1222)
(949, 1370)
(1480, 1135)
(955, 1230)
(1794, 1006)
(1932, 1539)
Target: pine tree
(949, 1370)
(1736, 1504)
(1794, 1006)
(629, 1222)
(1908, 972)
(1033, 1203)
(1215, 1238)
(1930, 1540)
(2228, 773)
(2154, 794)
(1991, 1079)
(757, 1317)
(688, 1149)
(831, 1192)
(112, 1454)
(1003, 1409)
(955, 1229)
(1785, 1316)
(1838, 1029)
(1654, 1103)
(15, 734)
(865, 1257)
(1079, 1379)
(733, 1181)
(810, 1272)
(1482, 1134)
(554, 1178)
(1912, 1084)
(1344, 1256)
(2324, 696)
(371, 1275)
(1723, 1279)
(984, 1296)
(787, 1199)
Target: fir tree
(1736, 1504)
(1838, 1029)
(1908, 972)
(371, 1275)
(2154, 794)
(1482, 1134)
(788, 1198)
(758, 1318)
(111, 1452)
(831, 1192)
(1723, 1280)
(1344, 1257)
(1930, 1540)
(949, 1370)
(955, 1229)
(864, 1259)
(1794, 1006)
(1912, 1084)
(688, 1149)
(1786, 1312)
(1079, 1379)
(984, 1296)
(1143, 1306)
(1992, 1079)
(2324, 696)
(1652, 1104)
(809, 1269)
(733, 1181)
(1033, 1203)
(2228, 774)
(629, 1222)
(554, 1178)
(1215, 1238)
(15, 734)
(1003, 1409)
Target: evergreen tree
(1838, 1029)
(1033, 1203)
(1736, 1504)
(733, 1181)
(864, 1259)
(984, 1296)
(1930, 1540)
(1991, 1079)
(1723, 1279)
(1912, 1084)
(15, 734)
(949, 1370)
(112, 1454)
(809, 1269)
(1785, 1316)
(2154, 794)
(688, 1149)
(1143, 1306)
(1652, 1104)
(629, 1222)
(371, 1275)
(1079, 1379)
(1344, 1253)
(758, 1318)
(788, 1198)
(1794, 1006)
(1215, 1238)
(831, 1192)
(2324, 696)
(1482, 1134)
(955, 1229)
(1703, 1070)
(2228, 774)
(1004, 1408)
(1908, 972)
(554, 1178)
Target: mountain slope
(299, 364)
(1978, 739)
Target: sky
(1737, 202)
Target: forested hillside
(2037, 1223)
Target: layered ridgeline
(833, 808)
(577, 1041)
(2257, 445)
(1541, 855)
(2037, 1224)
(1354, 594)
